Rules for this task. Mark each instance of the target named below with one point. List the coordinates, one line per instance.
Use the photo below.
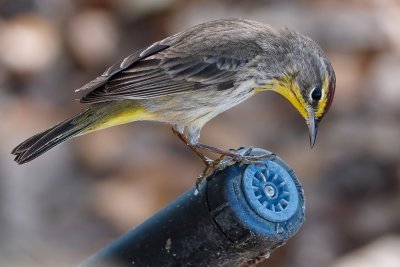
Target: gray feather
(158, 76)
(192, 59)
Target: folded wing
(158, 71)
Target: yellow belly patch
(122, 117)
(128, 116)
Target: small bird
(187, 79)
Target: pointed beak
(313, 128)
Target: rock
(383, 84)
(383, 252)
(93, 38)
(28, 44)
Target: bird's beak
(313, 128)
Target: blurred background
(60, 208)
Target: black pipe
(239, 216)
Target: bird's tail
(96, 117)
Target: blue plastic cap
(259, 200)
(270, 191)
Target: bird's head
(310, 96)
(304, 76)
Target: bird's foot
(212, 166)
(242, 157)
(245, 157)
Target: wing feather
(165, 72)
(127, 62)
(120, 85)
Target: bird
(187, 79)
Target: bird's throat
(288, 89)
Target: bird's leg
(183, 138)
(219, 164)
(210, 164)
(210, 169)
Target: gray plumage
(189, 78)
(211, 53)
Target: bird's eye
(316, 93)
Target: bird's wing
(160, 70)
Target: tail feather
(42, 142)
(96, 117)
(27, 143)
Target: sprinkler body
(239, 216)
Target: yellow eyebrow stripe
(322, 104)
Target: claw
(248, 151)
(211, 167)
(249, 159)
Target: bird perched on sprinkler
(189, 78)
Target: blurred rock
(384, 252)
(349, 70)
(375, 137)
(124, 210)
(28, 44)
(93, 38)
(137, 144)
(372, 219)
(153, 184)
(389, 17)
(10, 8)
(141, 8)
(102, 150)
(58, 10)
(360, 178)
(383, 83)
